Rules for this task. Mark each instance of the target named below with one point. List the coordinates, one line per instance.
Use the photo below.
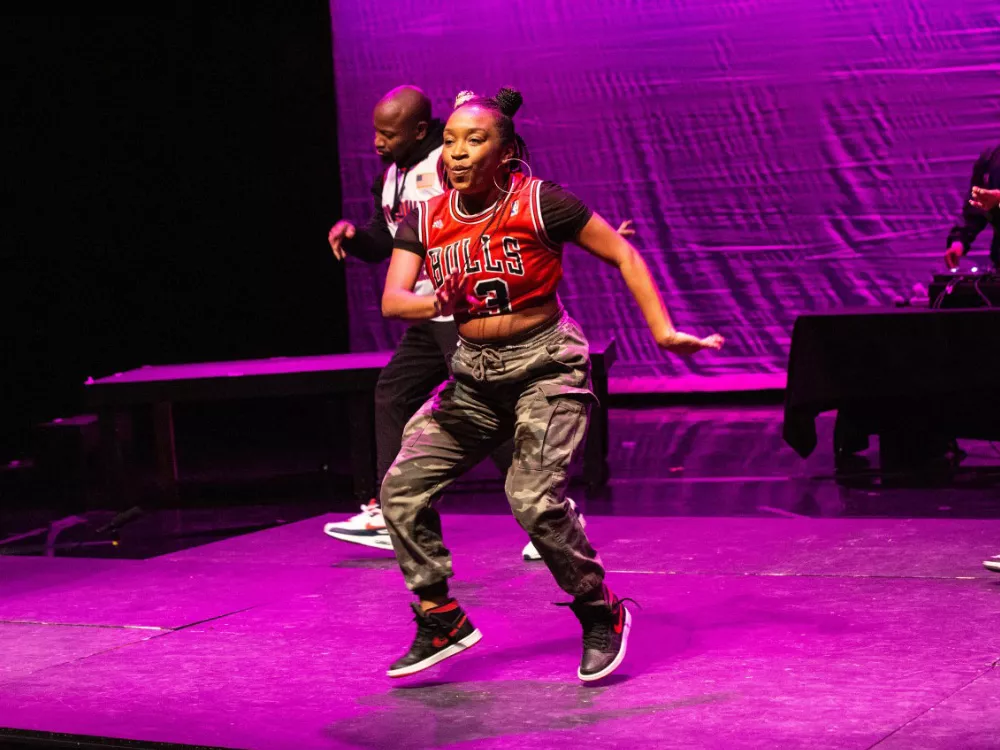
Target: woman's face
(472, 151)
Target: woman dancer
(492, 245)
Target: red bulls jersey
(509, 262)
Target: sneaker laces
(598, 636)
(429, 625)
(597, 625)
(426, 625)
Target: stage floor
(754, 632)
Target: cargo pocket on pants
(567, 423)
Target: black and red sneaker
(441, 632)
(606, 624)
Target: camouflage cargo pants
(536, 388)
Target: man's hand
(985, 199)
(953, 255)
(341, 230)
(685, 344)
(625, 228)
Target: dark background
(170, 182)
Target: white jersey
(406, 188)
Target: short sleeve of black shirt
(407, 237)
(563, 214)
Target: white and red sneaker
(992, 564)
(366, 528)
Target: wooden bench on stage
(350, 375)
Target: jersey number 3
(496, 294)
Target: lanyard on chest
(398, 188)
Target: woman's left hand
(685, 344)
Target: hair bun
(463, 97)
(509, 101)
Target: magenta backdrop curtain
(777, 157)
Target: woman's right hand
(446, 296)
(686, 344)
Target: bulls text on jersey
(456, 257)
(512, 268)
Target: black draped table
(895, 370)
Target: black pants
(421, 362)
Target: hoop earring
(518, 191)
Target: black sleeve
(973, 220)
(372, 243)
(407, 237)
(563, 214)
